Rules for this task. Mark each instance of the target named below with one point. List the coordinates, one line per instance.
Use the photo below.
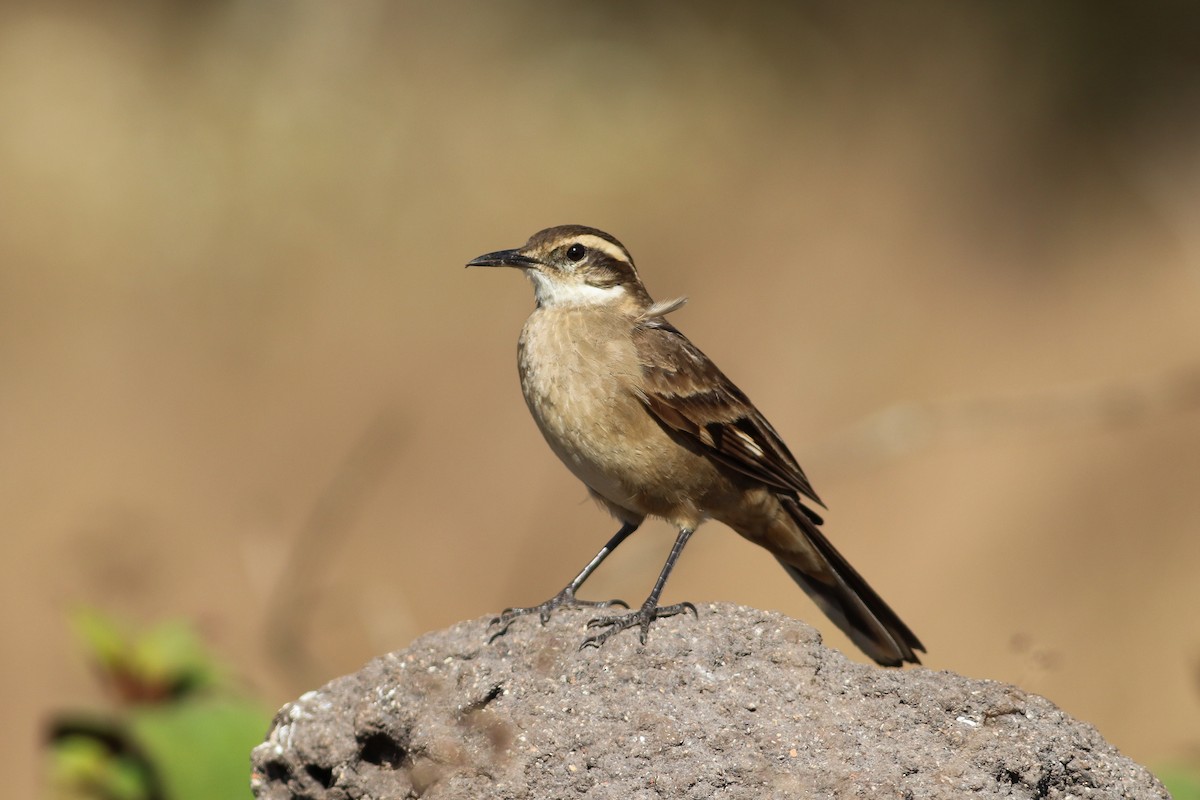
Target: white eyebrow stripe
(593, 242)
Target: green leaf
(164, 663)
(1183, 783)
(84, 768)
(101, 636)
(200, 749)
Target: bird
(653, 428)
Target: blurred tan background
(951, 251)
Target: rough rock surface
(739, 703)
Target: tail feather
(849, 601)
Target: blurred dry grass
(231, 252)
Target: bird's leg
(650, 609)
(567, 596)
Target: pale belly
(577, 384)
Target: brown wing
(686, 392)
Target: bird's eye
(576, 252)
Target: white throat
(551, 293)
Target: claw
(641, 618)
(566, 598)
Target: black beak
(503, 258)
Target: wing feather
(686, 392)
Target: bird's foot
(564, 599)
(642, 618)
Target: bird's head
(573, 266)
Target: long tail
(849, 601)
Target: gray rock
(739, 703)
